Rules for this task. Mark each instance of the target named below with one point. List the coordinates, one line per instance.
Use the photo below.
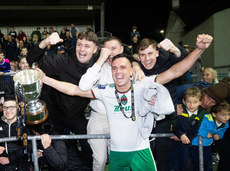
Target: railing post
(201, 157)
(35, 154)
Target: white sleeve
(96, 92)
(90, 78)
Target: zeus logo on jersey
(126, 108)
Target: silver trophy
(28, 85)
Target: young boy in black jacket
(186, 127)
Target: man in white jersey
(128, 149)
(100, 75)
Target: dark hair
(21, 57)
(2, 52)
(145, 43)
(123, 55)
(112, 38)
(9, 97)
(24, 47)
(134, 27)
(223, 105)
(88, 35)
(45, 127)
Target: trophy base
(37, 114)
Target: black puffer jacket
(14, 149)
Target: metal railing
(93, 136)
(34, 138)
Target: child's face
(192, 103)
(2, 57)
(222, 116)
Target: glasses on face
(9, 107)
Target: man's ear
(157, 53)
(122, 48)
(131, 72)
(95, 49)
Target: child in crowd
(4, 64)
(212, 128)
(185, 127)
(4, 68)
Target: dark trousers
(207, 155)
(224, 152)
(178, 156)
(161, 146)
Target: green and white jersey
(124, 132)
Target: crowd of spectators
(12, 43)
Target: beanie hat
(218, 92)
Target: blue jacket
(209, 125)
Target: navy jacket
(184, 124)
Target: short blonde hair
(192, 92)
